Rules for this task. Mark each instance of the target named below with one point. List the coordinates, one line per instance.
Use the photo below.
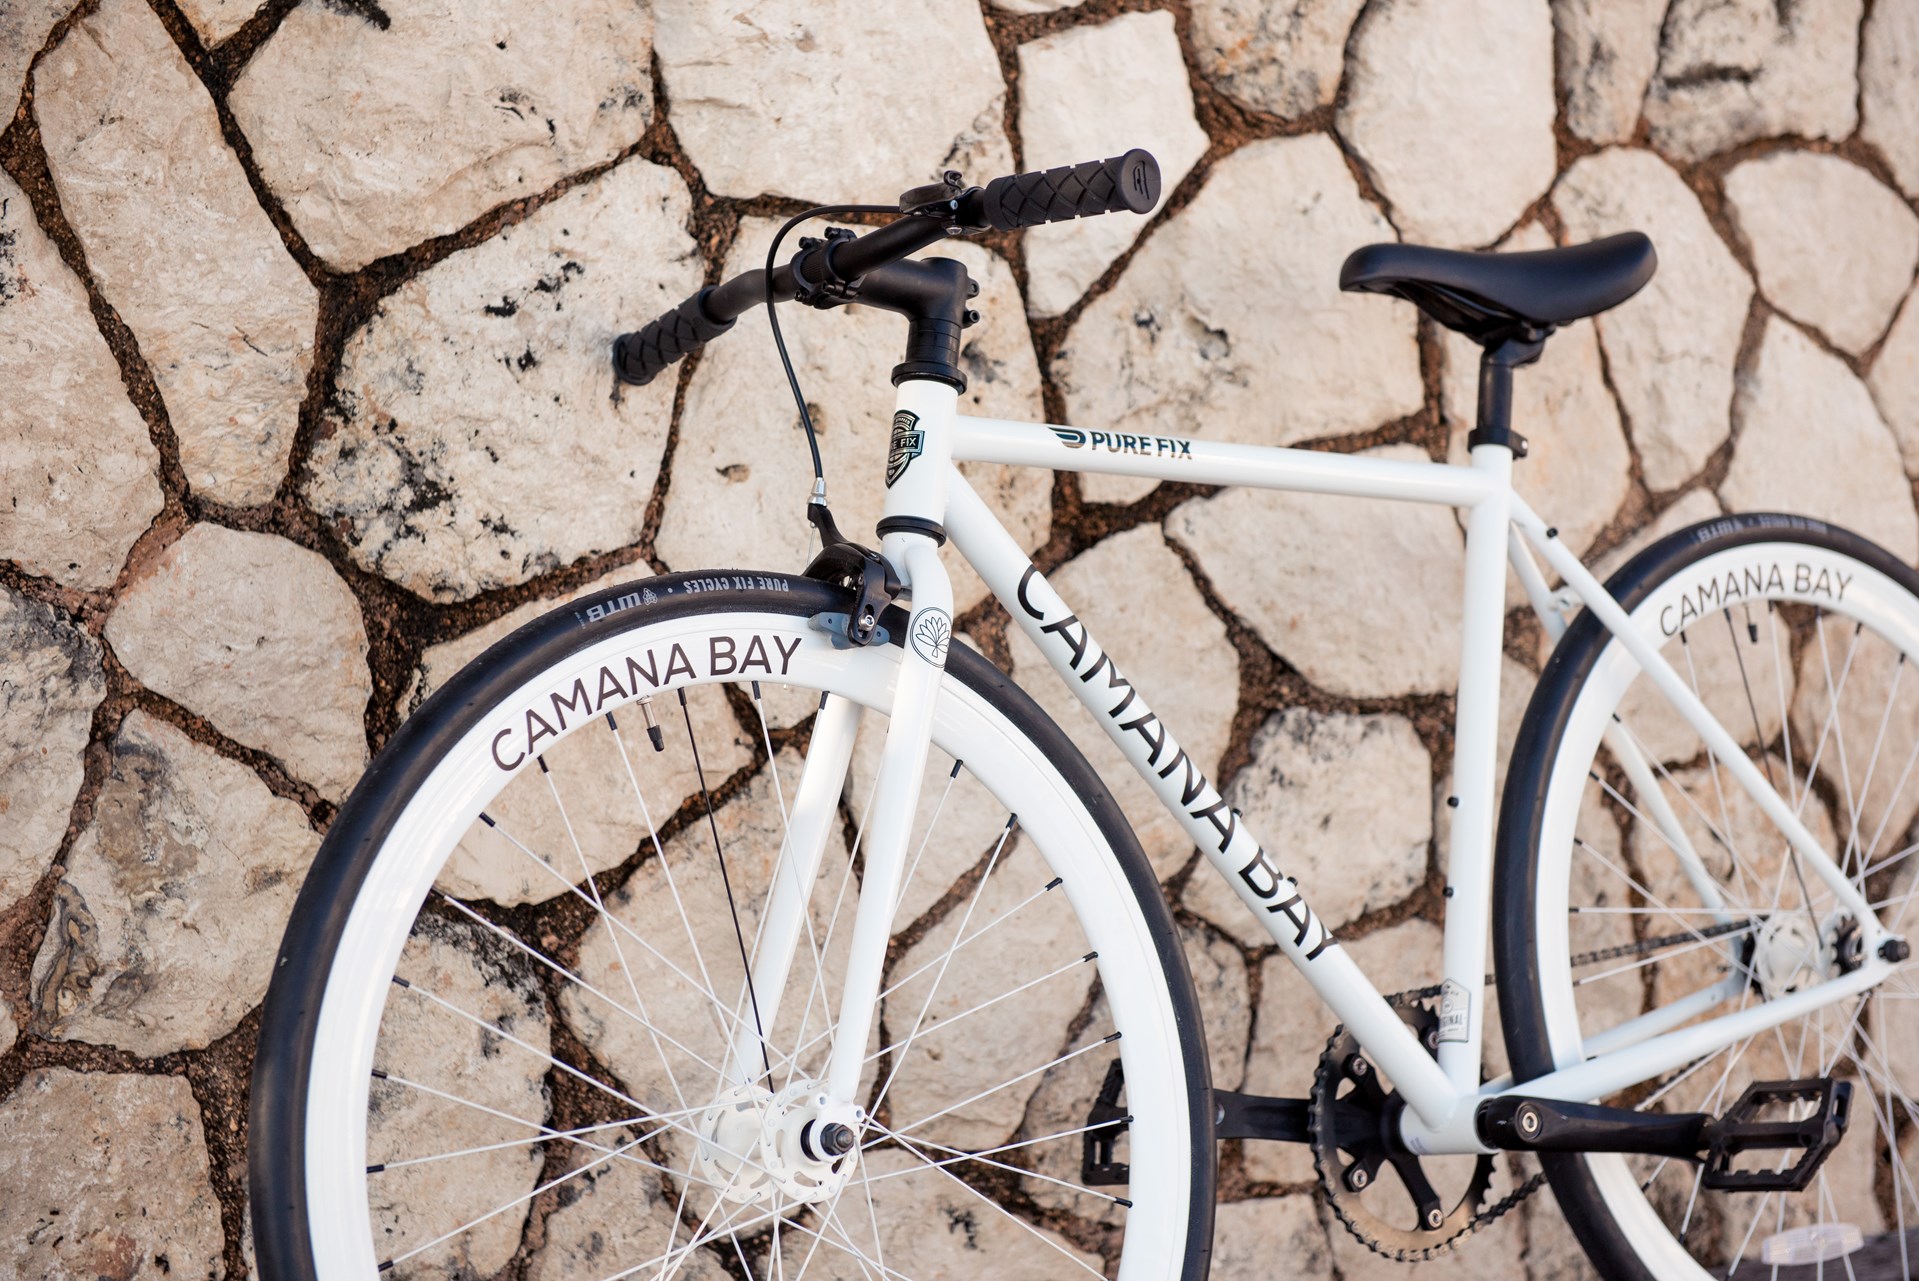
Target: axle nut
(836, 1139)
(1895, 950)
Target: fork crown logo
(906, 445)
(932, 633)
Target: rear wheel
(1637, 880)
(497, 1043)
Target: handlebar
(1127, 183)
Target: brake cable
(779, 341)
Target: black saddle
(1491, 297)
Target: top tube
(1211, 462)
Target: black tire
(285, 1061)
(1523, 998)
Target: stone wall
(304, 314)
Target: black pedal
(1741, 1130)
(1106, 1120)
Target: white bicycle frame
(926, 490)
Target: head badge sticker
(906, 445)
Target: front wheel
(514, 1030)
(1640, 888)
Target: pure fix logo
(906, 445)
(1119, 442)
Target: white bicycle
(741, 923)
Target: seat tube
(918, 457)
(1468, 868)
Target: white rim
(465, 782)
(1871, 597)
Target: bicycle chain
(1361, 1232)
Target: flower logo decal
(932, 632)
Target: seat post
(1496, 364)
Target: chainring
(1352, 1132)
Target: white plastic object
(1815, 1243)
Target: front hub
(756, 1145)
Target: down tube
(1182, 786)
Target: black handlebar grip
(1128, 182)
(639, 357)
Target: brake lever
(941, 199)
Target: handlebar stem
(932, 294)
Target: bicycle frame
(926, 493)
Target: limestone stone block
(1577, 469)
(614, 1214)
(52, 684)
(966, 1048)
(1671, 347)
(1434, 90)
(741, 471)
(959, 823)
(1553, 1253)
(24, 27)
(484, 977)
(1086, 93)
(1363, 597)
(858, 119)
(75, 457)
(1833, 247)
(910, 1215)
(260, 637)
(1285, 59)
(1168, 644)
(107, 1176)
(1868, 755)
(180, 246)
(1889, 89)
(215, 20)
(1342, 802)
(1214, 333)
(1059, 1107)
(1291, 1026)
(1606, 52)
(1894, 380)
(1733, 71)
(1219, 977)
(1251, 1237)
(476, 438)
(378, 128)
(165, 924)
(1847, 472)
